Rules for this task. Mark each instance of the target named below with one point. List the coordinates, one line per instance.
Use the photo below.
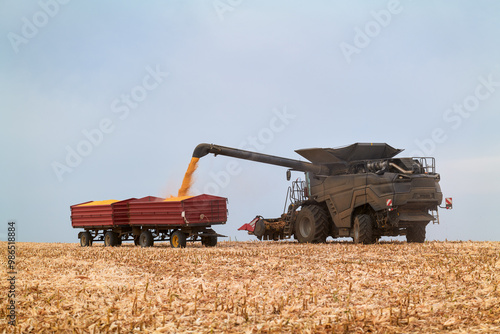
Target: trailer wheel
(111, 239)
(85, 239)
(311, 224)
(178, 240)
(210, 241)
(146, 239)
(363, 230)
(416, 233)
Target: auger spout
(203, 149)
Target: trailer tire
(178, 240)
(363, 230)
(146, 239)
(210, 241)
(111, 239)
(311, 225)
(416, 233)
(85, 239)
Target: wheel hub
(175, 241)
(305, 227)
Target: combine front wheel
(311, 224)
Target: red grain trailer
(147, 219)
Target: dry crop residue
(257, 287)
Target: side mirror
(288, 175)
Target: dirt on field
(255, 287)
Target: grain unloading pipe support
(203, 149)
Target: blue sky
(148, 81)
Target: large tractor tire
(146, 239)
(111, 239)
(311, 225)
(85, 239)
(416, 233)
(363, 230)
(178, 240)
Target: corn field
(256, 287)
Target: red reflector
(449, 202)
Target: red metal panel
(107, 215)
(121, 212)
(202, 209)
(205, 209)
(150, 210)
(91, 215)
(155, 211)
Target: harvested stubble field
(257, 287)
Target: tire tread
(416, 233)
(365, 235)
(320, 218)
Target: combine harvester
(360, 191)
(150, 218)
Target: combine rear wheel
(111, 239)
(178, 240)
(209, 241)
(416, 233)
(146, 239)
(85, 239)
(363, 230)
(311, 225)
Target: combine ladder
(296, 196)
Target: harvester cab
(360, 191)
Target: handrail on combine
(295, 193)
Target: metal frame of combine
(360, 191)
(150, 219)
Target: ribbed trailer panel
(91, 215)
(111, 214)
(196, 210)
